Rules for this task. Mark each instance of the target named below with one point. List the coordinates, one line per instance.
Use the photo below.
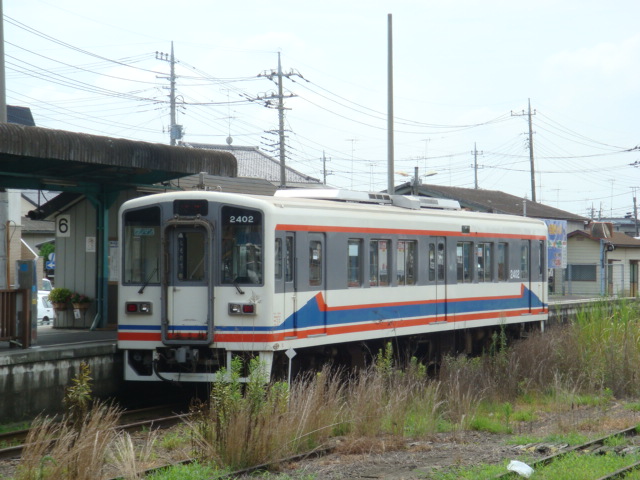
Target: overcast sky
(463, 73)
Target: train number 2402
(241, 219)
(514, 274)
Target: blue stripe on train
(310, 314)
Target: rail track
(157, 417)
(593, 447)
(131, 420)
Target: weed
(192, 471)
(78, 398)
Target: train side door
(289, 274)
(440, 259)
(317, 278)
(525, 270)
(186, 309)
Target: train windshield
(142, 246)
(241, 251)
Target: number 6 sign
(63, 226)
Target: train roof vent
(416, 203)
(403, 201)
(335, 194)
(441, 203)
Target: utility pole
(175, 131)
(635, 212)
(352, 140)
(533, 171)
(390, 144)
(415, 186)
(324, 169)
(4, 196)
(475, 164)
(280, 97)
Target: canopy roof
(45, 159)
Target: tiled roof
(38, 226)
(20, 115)
(254, 163)
(250, 186)
(618, 239)
(492, 201)
(38, 197)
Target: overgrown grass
(587, 363)
(192, 471)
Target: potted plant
(80, 301)
(59, 297)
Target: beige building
(602, 261)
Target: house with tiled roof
(603, 261)
(254, 163)
(494, 201)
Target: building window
(581, 273)
(379, 263)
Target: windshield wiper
(147, 281)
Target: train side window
(354, 263)
(379, 263)
(278, 259)
(432, 262)
(288, 260)
(464, 261)
(406, 262)
(315, 263)
(543, 263)
(524, 259)
(503, 264)
(441, 261)
(484, 257)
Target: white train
(206, 276)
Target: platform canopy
(44, 159)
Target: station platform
(47, 337)
(34, 380)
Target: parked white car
(46, 285)
(45, 309)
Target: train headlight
(138, 307)
(242, 309)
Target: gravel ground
(419, 459)
(409, 459)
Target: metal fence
(590, 279)
(14, 318)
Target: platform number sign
(63, 226)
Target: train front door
(187, 285)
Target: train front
(192, 276)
